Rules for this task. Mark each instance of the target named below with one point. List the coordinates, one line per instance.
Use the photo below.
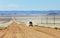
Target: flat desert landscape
(29, 18)
(22, 31)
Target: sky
(29, 4)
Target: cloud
(9, 7)
(12, 7)
(1, 8)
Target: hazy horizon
(56, 12)
(29, 5)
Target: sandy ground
(22, 31)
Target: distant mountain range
(29, 12)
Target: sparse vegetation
(36, 25)
(56, 28)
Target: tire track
(32, 33)
(49, 33)
(3, 35)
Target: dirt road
(22, 31)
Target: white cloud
(9, 7)
(1, 8)
(12, 7)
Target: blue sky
(29, 4)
